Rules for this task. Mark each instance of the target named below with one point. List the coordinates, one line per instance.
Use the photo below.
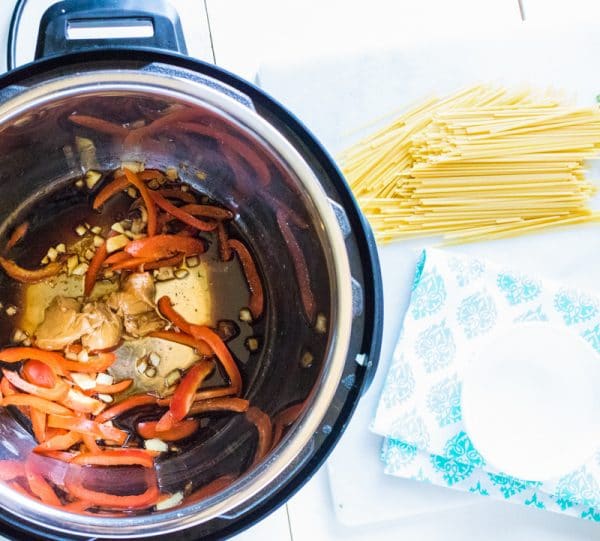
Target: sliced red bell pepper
(208, 211)
(252, 278)
(262, 422)
(90, 442)
(17, 235)
(58, 392)
(39, 486)
(181, 215)
(283, 419)
(77, 401)
(99, 124)
(87, 426)
(218, 346)
(28, 276)
(302, 275)
(99, 363)
(178, 431)
(165, 307)
(183, 397)
(204, 394)
(117, 257)
(114, 388)
(148, 498)
(11, 469)
(182, 338)
(147, 263)
(38, 424)
(78, 506)
(35, 402)
(38, 373)
(176, 193)
(223, 240)
(6, 388)
(125, 405)
(117, 457)
(161, 246)
(220, 483)
(94, 269)
(64, 456)
(49, 358)
(238, 405)
(59, 442)
(132, 178)
(118, 184)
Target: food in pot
(116, 360)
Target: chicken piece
(107, 327)
(135, 303)
(63, 324)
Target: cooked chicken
(135, 303)
(63, 324)
(107, 327)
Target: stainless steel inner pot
(39, 154)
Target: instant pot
(321, 332)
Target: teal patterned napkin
(456, 303)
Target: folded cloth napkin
(456, 303)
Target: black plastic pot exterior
(360, 248)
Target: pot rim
(250, 487)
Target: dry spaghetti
(484, 163)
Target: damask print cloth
(456, 303)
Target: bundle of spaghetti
(484, 163)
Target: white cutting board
(336, 96)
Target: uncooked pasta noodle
(484, 163)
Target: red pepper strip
(49, 358)
(11, 469)
(227, 140)
(223, 239)
(218, 346)
(82, 403)
(114, 388)
(308, 300)
(220, 483)
(38, 373)
(99, 363)
(181, 214)
(98, 124)
(118, 184)
(90, 442)
(60, 442)
(117, 457)
(39, 486)
(127, 404)
(130, 263)
(148, 498)
(38, 424)
(209, 211)
(18, 488)
(262, 422)
(150, 174)
(28, 276)
(161, 246)
(6, 388)
(77, 506)
(182, 399)
(182, 338)
(148, 263)
(117, 257)
(239, 405)
(169, 262)
(148, 201)
(35, 402)
(182, 429)
(176, 193)
(58, 392)
(17, 235)
(256, 302)
(283, 419)
(94, 269)
(165, 307)
(205, 394)
(64, 456)
(86, 426)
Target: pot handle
(79, 25)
